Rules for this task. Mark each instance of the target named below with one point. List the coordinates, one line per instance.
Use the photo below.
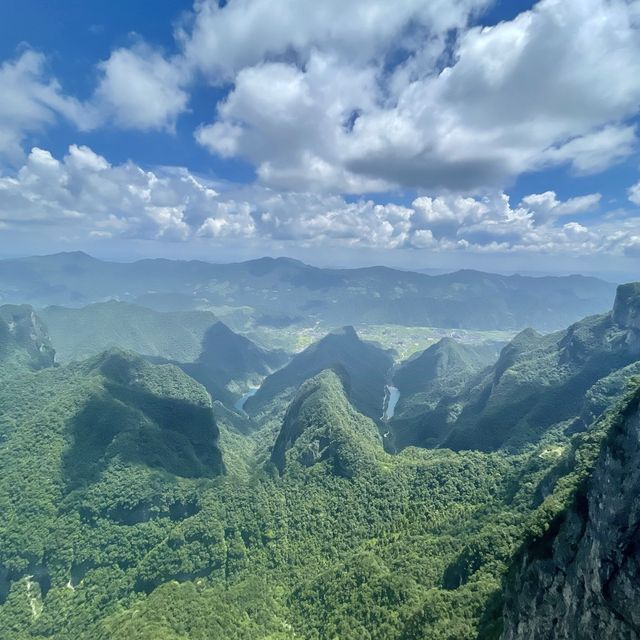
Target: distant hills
(176, 335)
(281, 291)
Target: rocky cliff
(581, 580)
(24, 340)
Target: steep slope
(441, 370)
(321, 426)
(24, 340)
(97, 327)
(230, 363)
(580, 578)
(90, 450)
(366, 366)
(283, 290)
(561, 380)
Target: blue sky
(494, 135)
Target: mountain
(135, 507)
(558, 381)
(580, 578)
(95, 448)
(442, 370)
(96, 327)
(24, 340)
(280, 291)
(228, 359)
(321, 426)
(365, 364)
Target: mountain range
(498, 502)
(281, 292)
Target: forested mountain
(278, 292)
(438, 372)
(540, 382)
(229, 363)
(223, 361)
(321, 425)
(129, 512)
(173, 335)
(365, 364)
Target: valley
(167, 476)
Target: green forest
(137, 504)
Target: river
(391, 397)
(239, 404)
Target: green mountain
(24, 340)
(175, 335)
(223, 361)
(440, 371)
(133, 507)
(321, 426)
(540, 383)
(88, 451)
(365, 364)
(230, 363)
(278, 292)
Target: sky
(497, 135)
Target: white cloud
(87, 197)
(634, 193)
(139, 89)
(30, 101)
(546, 205)
(220, 42)
(556, 85)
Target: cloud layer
(85, 195)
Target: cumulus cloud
(221, 41)
(545, 206)
(83, 190)
(390, 94)
(634, 193)
(140, 89)
(555, 85)
(84, 193)
(30, 101)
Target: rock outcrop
(581, 580)
(626, 308)
(24, 339)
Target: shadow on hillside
(141, 428)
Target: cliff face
(582, 581)
(24, 339)
(626, 308)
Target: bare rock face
(582, 580)
(626, 308)
(24, 337)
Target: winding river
(239, 404)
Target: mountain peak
(321, 426)
(347, 331)
(626, 308)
